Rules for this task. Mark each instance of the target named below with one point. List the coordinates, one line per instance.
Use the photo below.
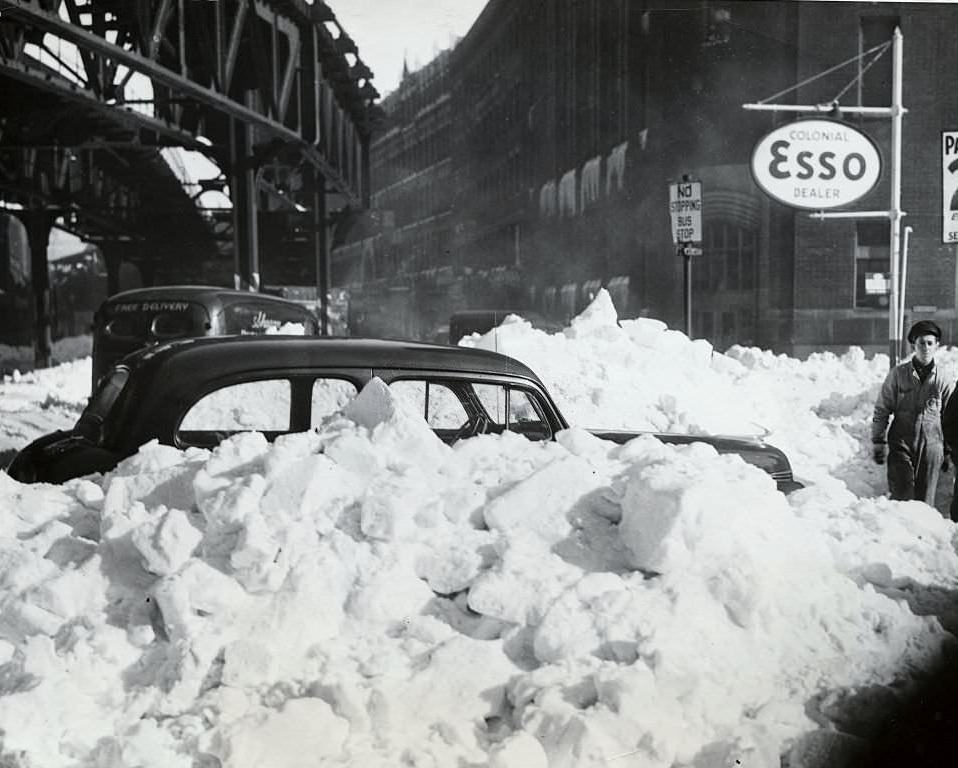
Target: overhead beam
(160, 21)
(159, 74)
(236, 34)
(36, 78)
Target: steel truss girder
(337, 150)
(92, 227)
(39, 79)
(73, 182)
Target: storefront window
(872, 265)
(730, 251)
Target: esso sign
(816, 164)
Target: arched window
(724, 280)
(731, 252)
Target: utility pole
(894, 213)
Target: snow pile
(641, 375)
(41, 401)
(64, 350)
(363, 594)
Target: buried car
(197, 392)
(147, 316)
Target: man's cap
(923, 328)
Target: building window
(728, 327)
(731, 249)
(746, 326)
(706, 326)
(700, 273)
(872, 277)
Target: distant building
(404, 242)
(530, 165)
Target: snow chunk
(544, 502)
(297, 735)
(166, 541)
(518, 750)
(669, 507)
(599, 318)
(196, 595)
(373, 406)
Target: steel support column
(38, 224)
(313, 180)
(113, 261)
(245, 207)
(320, 244)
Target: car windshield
(107, 391)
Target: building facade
(399, 252)
(563, 123)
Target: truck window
(262, 317)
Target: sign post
(685, 209)
(775, 167)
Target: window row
(452, 408)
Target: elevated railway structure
(99, 95)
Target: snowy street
(365, 595)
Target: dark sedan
(197, 392)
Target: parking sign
(949, 187)
(685, 208)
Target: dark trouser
(915, 477)
(953, 510)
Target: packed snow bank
(41, 401)
(363, 594)
(366, 595)
(639, 374)
(64, 350)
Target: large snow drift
(364, 595)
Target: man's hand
(878, 453)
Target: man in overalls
(913, 395)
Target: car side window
(513, 410)
(262, 406)
(329, 396)
(434, 401)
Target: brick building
(564, 121)
(396, 258)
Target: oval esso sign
(816, 164)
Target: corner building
(535, 166)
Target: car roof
(192, 292)
(234, 354)
(467, 314)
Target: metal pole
(38, 223)
(320, 247)
(902, 287)
(688, 290)
(894, 336)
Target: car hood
(754, 450)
